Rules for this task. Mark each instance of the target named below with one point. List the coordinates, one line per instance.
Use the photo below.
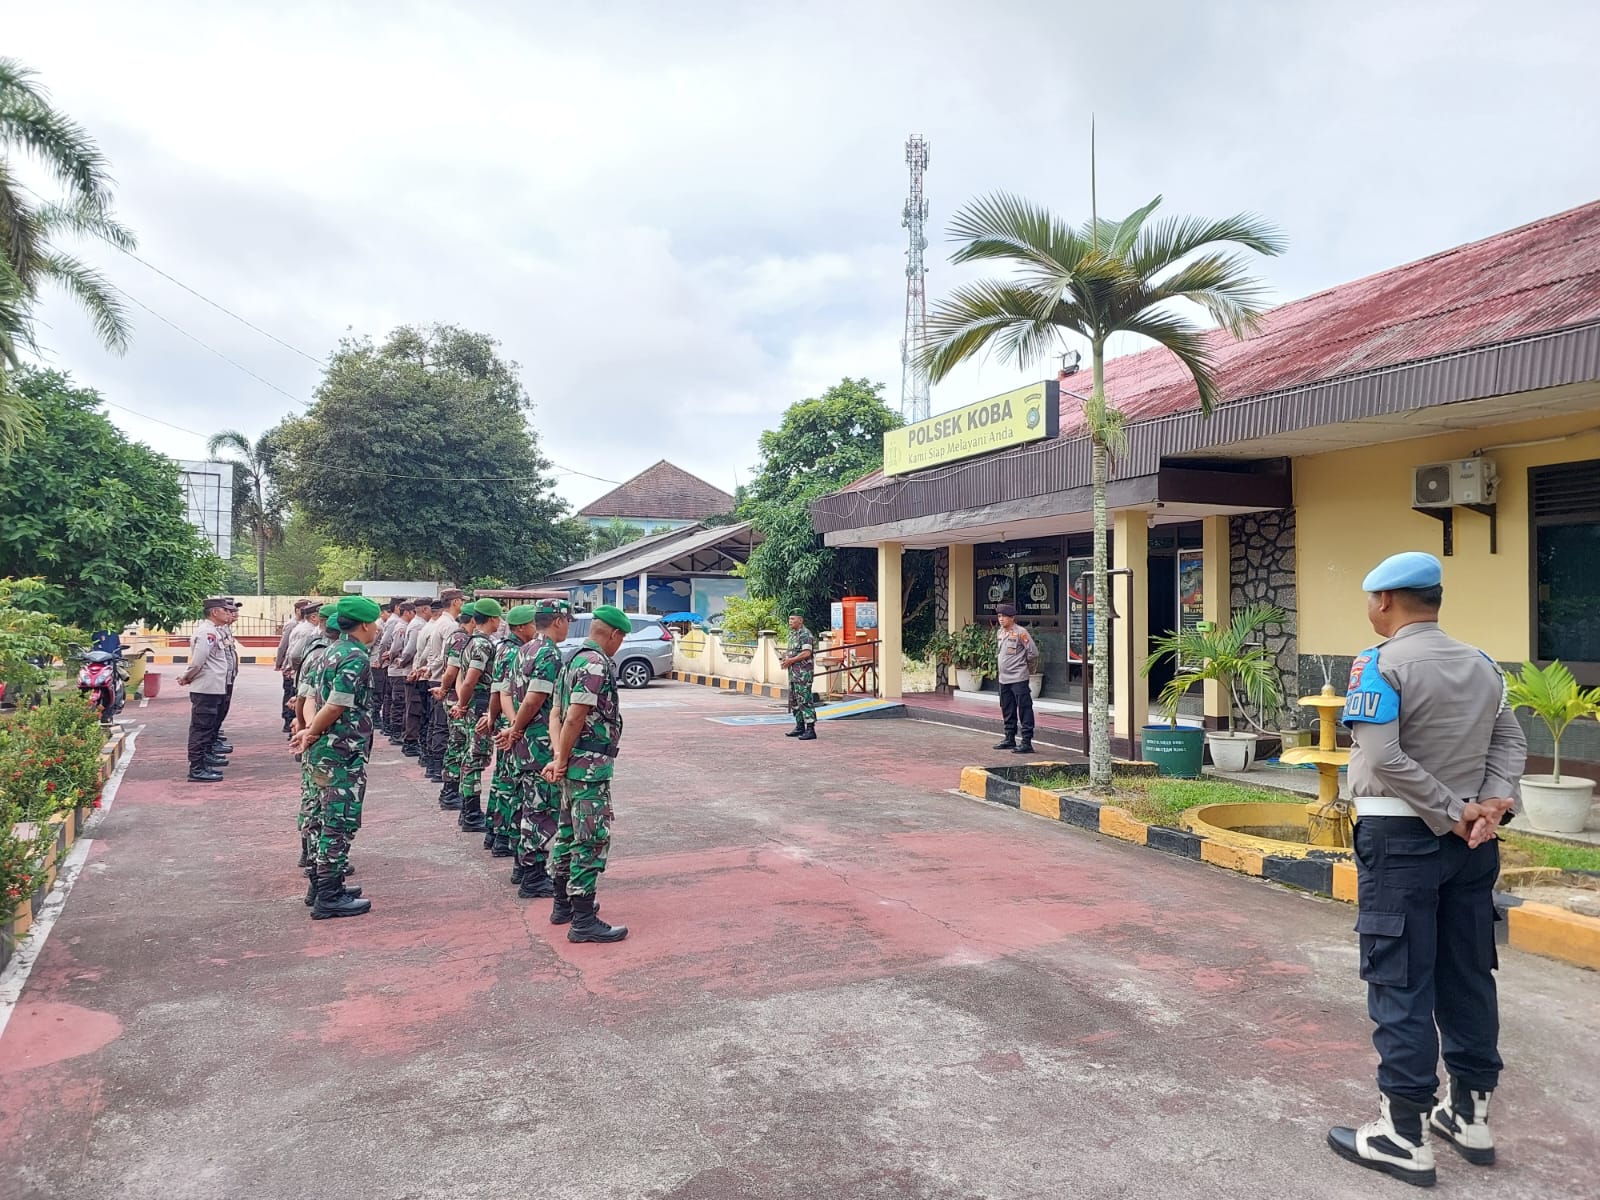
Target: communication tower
(913, 375)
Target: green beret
(522, 614)
(488, 607)
(614, 617)
(553, 608)
(327, 610)
(357, 608)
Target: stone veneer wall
(941, 606)
(1262, 571)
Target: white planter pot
(1557, 807)
(969, 681)
(1035, 685)
(1232, 751)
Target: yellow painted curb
(1038, 801)
(1235, 858)
(973, 783)
(22, 919)
(1115, 822)
(1258, 813)
(1555, 933)
(1344, 881)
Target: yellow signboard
(1014, 418)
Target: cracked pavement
(841, 980)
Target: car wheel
(635, 673)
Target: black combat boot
(1025, 746)
(799, 728)
(471, 819)
(488, 837)
(502, 846)
(561, 910)
(435, 771)
(221, 746)
(305, 851)
(353, 892)
(588, 927)
(216, 761)
(333, 901)
(809, 734)
(1010, 743)
(204, 775)
(411, 750)
(311, 886)
(449, 796)
(311, 891)
(537, 885)
(517, 872)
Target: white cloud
(693, 210)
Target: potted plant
(974, 655)
(1551, 802)
(1036, 683)
(1238, 663)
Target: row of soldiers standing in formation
(453, 682)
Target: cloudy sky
(681, 217)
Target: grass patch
(1519, 850)
(1162, 801)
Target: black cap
(1005, 610)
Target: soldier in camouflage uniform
(337, 745)
(533, 685)
(304, 704)
(458, 729)
(799, 662)
(591, 735)
(502, 810)
(472, 702)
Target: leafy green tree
(30, 253)
(419, 448)
(1130, 276)
(613, 536)
(822, 444)
(258, 510)
(99, 519)
(292, 563)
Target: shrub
(747, 616)
(50, 758)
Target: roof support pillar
(1215, 601)
(889, 618)
(961, 585)
(1130, 545)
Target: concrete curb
(746, 687)
(1523, 925)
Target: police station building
(1449, 405)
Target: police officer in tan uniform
(206, 677)
(1436, 753)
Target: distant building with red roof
(663, 496)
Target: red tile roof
(665, 492)
(1533, 279)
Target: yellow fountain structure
(1328, 821)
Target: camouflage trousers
(455, 747)
(310, 818)
(341, 787)
(540, 812)
(501, 809)
(474, 760)
(801, 700)
(583, 835)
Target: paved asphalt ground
(842, 982)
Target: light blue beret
(1413, 569)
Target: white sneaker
(1378, 1145)
(1463, 1121)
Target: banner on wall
(1038, 591)
(996, 586)
(1191, 590)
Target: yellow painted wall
(1353, 508)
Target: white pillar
(644, 592)
(620, 585)
(889, 617)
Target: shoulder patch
(1370, 698)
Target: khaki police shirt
(1017, 652)
(436, 641)
(208, 661)
(405, 647)
(384, 647)
(1449, 736)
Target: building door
(1163, 613)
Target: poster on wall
(1191, 590)
(1039, 591)
(1080, 594)
(866, 615)
(996, 586)
(836, 616)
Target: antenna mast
(913, 375)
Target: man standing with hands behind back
(1436, 752)
(1018, 656)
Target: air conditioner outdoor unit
(1449, 484)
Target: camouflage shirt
(538, 669)
(478, 655)
(801, 640)
(591, 678)
(345, 679)
(308, 676)
(456, 648)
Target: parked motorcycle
(104, 677)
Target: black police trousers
(205, 718)
(288, 700)
(1426, 922)
(1016, 707)
(436, 736)
(416, 710)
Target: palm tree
(29, 256)
(1106, 277)
(258, 511)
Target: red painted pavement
(842, 980)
